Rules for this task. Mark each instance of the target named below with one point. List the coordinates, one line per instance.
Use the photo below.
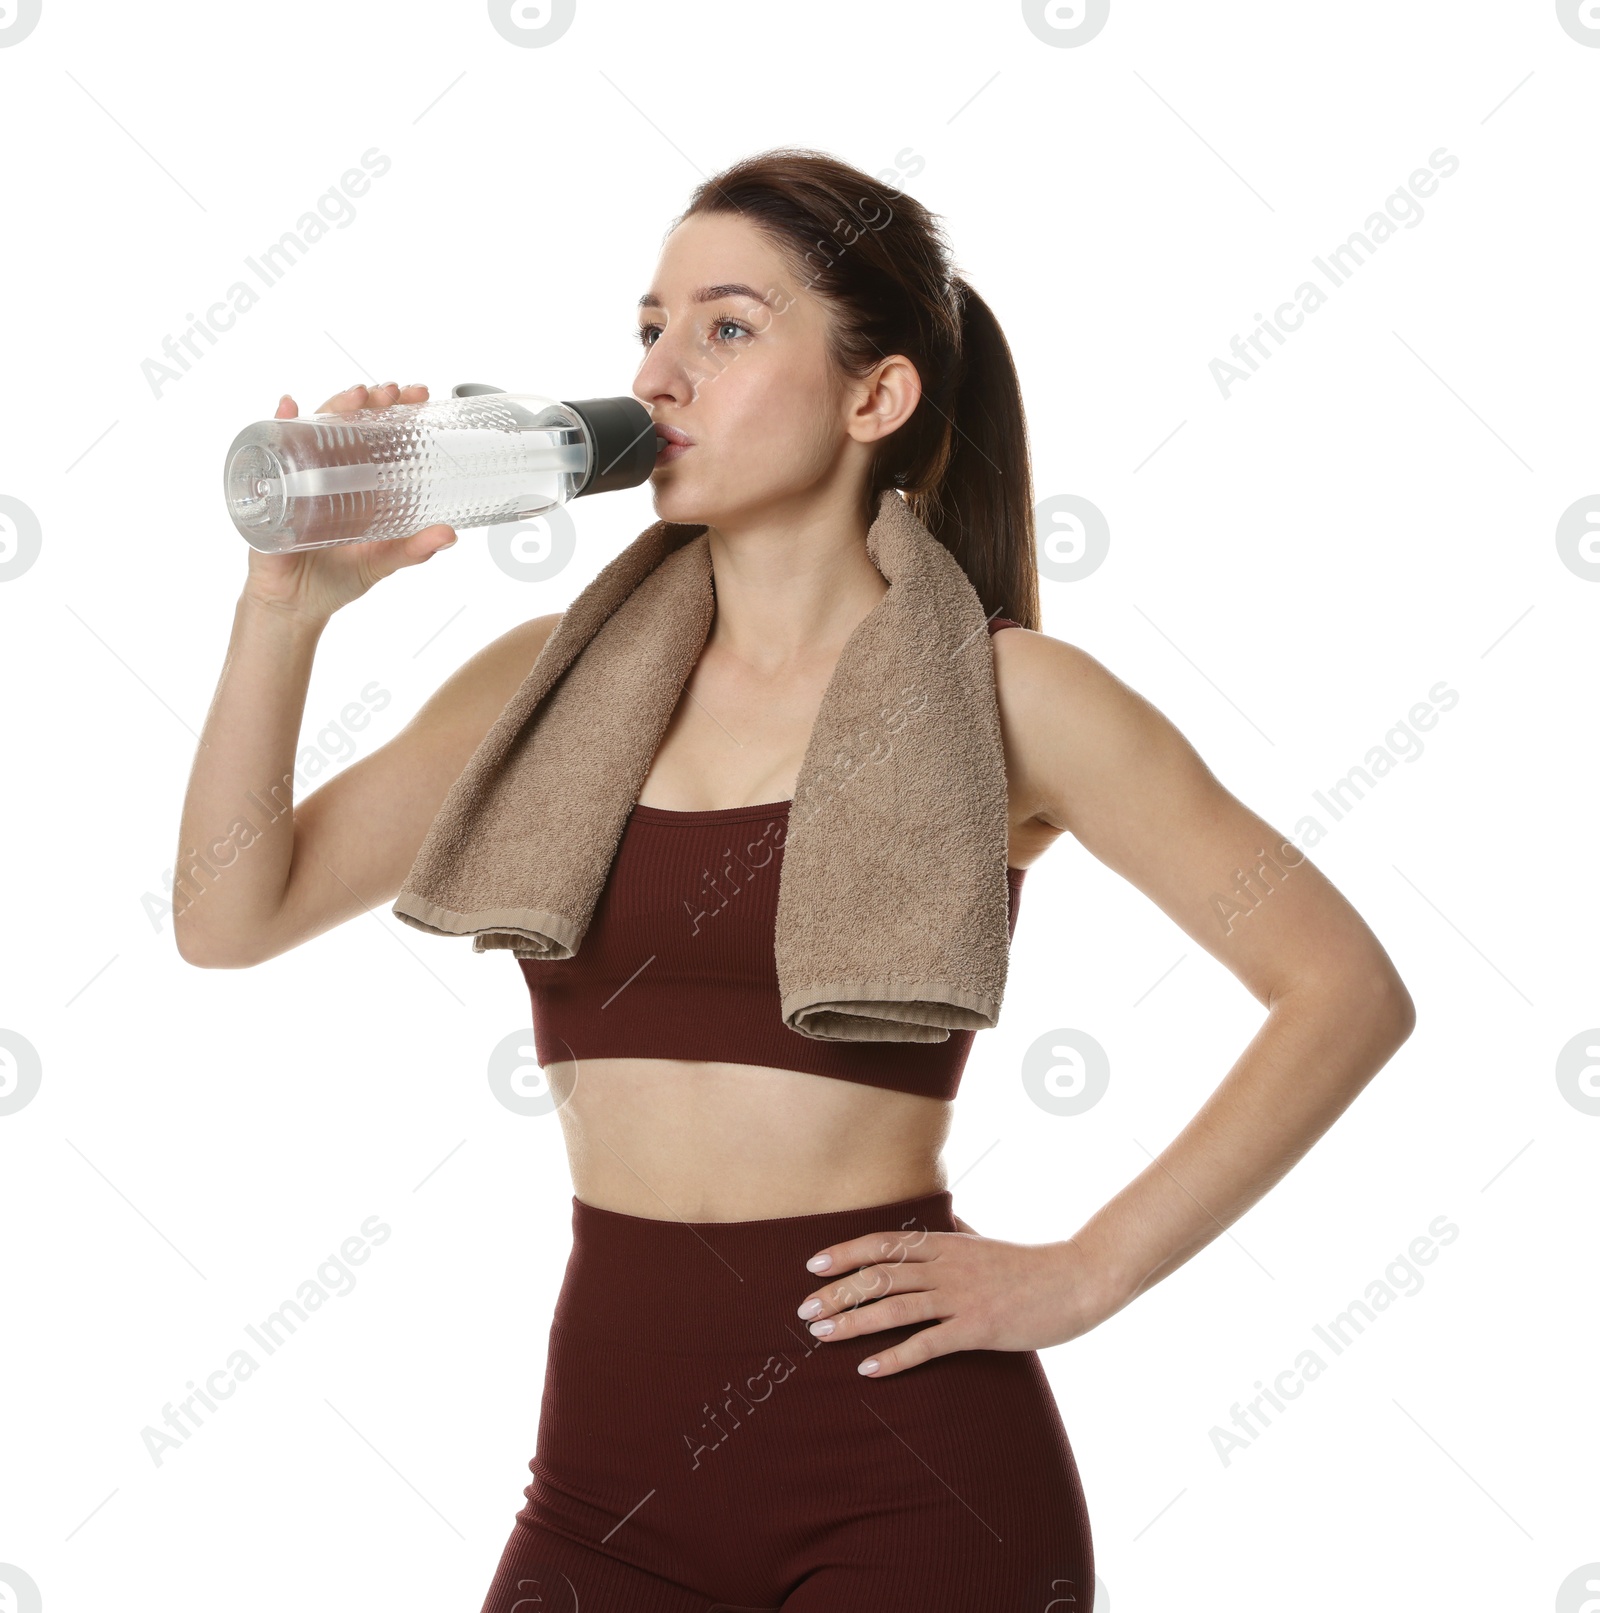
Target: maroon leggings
(698, 1450)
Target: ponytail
(980, 506)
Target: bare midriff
(678, 1139)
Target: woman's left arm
(1095, 759)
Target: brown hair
(881, 261)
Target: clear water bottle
(477, 458)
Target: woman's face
(735, 358)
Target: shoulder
(477, 691)
(520, 645)
(504, 662)
(1033, 671)
(1070, 724)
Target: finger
(864, 1287)
(425, 544)
(429, 541)
(353, 397)
(413, 392)
(287, 409)
(381, 397)
(924, 1346)
(905, 1243)
(897, 1310)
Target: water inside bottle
(386, 473)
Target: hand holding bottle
(315, 582)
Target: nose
(664, 375)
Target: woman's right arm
(258, 873)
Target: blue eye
(642, 334)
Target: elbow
(1390, 1008)
(1407, 1010)
(1372, 1005)
(201, 953)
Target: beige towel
(892, 921)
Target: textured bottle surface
(386, 473)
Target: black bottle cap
(624, 440)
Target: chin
(675, 503)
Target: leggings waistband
(692, 1287)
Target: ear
(886, 400)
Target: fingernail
(819, 1262)
(821, 1328)
(810, 1308)
(868, 1367)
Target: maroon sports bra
(677, 962)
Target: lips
(670, 443)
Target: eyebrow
(707, 294)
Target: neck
(792, 581)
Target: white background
(1291, 569)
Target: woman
(783, 1373)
